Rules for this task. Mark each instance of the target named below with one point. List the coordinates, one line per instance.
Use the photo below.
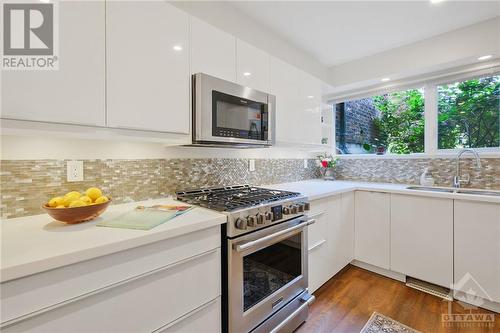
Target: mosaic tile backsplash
(408, 171)
(26, 184)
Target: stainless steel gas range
(264, 256)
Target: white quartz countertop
(318, 188)
(37, 243)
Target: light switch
(306, 164)
(74, 171)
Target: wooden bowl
(76, 214)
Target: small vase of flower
(328, 164)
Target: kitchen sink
(431, 189)
(455, 190)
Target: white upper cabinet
(422, 238)
(284, 84)
(309, 109)
(75, 93)
(213, 51)
(148, 81)
(372, 228)
(252, 66)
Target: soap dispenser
(426, 178)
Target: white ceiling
(335, 32)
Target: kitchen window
(432, 117)
(469, 113)
(388, 123)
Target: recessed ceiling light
(45, 1)
(485, 57)
(386, 79)
(437, 1)
(177, 48)
(247, 74)
(310, 96)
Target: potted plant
(328, 164)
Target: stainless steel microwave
(226, 114)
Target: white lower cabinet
(318, 258)
(169, 298)
(372, 228)
(422, 238)
(206, 319)
(477, 250)
(331, 238)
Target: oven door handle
(265, 239)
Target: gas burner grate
(230, 198)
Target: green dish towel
(145, 218)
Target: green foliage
(469, 114)
(400, 126)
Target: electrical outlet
(74, 171)
(251, 165)
(306, 164)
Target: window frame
(430, 115)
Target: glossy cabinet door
(477, 249)
(309, 112)
(75, 93)
(284, 84)
(148, 81)
(372, 228)
(252, 66)
(213, 51)
(422, 238)
(318, 248)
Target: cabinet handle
(318, 244)
(186, 316)
(316, 214)
(106, 288)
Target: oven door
(228, 113)
(267, 269)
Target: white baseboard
(381, 271)
(480, 302)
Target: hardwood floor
(346, 302)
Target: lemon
(86, 199)
(101, 200)
(70, 197)
(77, 203)
(61, 206)
(56, 201)
(93, 193)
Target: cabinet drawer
(206, 319)
(317, 232)
(318, 263)
(139, 305)
(34, 293)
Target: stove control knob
(268, 216)
(251, 221)
(286, 210)
(294, 209)
(241, 223)
(301, 207)
(307, 206)
(260, 218)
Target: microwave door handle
(265, 239)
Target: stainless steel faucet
(457, 179)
